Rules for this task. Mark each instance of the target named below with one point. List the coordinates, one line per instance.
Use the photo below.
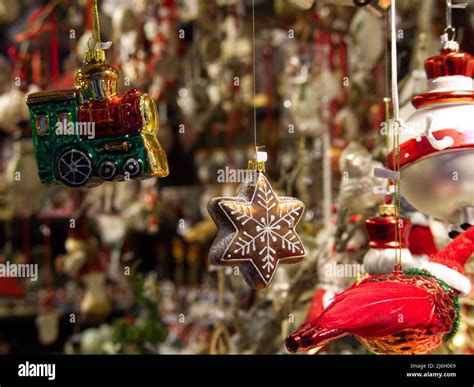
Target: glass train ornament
(88, 134)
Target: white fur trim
(419, 219)
(450, 82)
(452, 277)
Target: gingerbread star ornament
(256, 230)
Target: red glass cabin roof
(115, 115)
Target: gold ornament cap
(94, 55)
(387, 209)
(96, 80)
(258, 164)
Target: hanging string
(397, 125)
(95, 22)
(254, 81)
(450, 31)
(449, 18)
(386, 86)
(396, 108)
(386, 102)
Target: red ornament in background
(9, 287)
(383, 245)
(398, 313)
(381, 229)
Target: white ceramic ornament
(47, 321)
(95, 305)
(359, 188)
(48, 327)
(366, 41)
(24, 187)
(306, 106)
(235, 45)
(12, 109)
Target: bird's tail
(310, 336)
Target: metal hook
(96, 45)
(450, 33)
(89, 41)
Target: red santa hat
(448, 264)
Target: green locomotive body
(88, 134)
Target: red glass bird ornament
(409, 312)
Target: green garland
(447, 288)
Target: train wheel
(131, 167)
(74, 168)
(107, 170)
